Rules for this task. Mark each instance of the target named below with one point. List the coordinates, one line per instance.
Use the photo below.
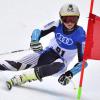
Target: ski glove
(65, 78)
(36, 46)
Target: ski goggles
(67, 19)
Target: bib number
(60, 51)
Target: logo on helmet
(70, 8)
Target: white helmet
(69, 10)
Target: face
(69, 21)
(69, 25)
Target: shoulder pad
(51, 24)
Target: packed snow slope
(18, 18)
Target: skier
(68, 41)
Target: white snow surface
(17, 20)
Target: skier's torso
(65, 44)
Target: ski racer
(68, 41)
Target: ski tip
(9, 85)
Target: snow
(17, 20)
(50, 89)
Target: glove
(36, 46)
(65, 78)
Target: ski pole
(5, 53)
(74, 86)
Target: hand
(36, 46)
(65, 78)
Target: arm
(80, 50)
(67, 76)
(50, 27)
(37, 34)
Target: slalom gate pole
(83, 64)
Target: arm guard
(77, 68)
(36, 35)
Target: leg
(21, 64)
(29, 61)
(12, 65)
(49, 69)
(47, 57)
(36, 73)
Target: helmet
(69, 10)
